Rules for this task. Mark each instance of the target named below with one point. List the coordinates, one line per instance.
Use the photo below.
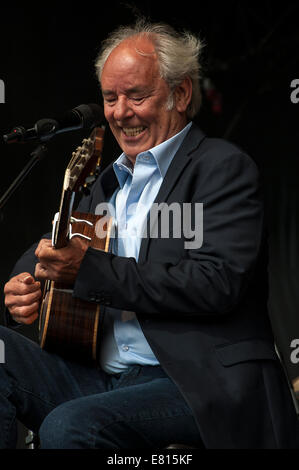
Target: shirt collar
(162, 155)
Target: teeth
(133, 131)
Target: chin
(132, 153)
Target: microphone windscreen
(91, 114)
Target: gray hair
(178, 56)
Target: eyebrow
(128, 92)
(107, 92)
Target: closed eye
(137, 99)
(109, 100)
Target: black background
(251, 55)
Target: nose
(122, 109)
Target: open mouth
(133, 131)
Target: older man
(186, 353)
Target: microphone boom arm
(36, 156)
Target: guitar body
(69, 326)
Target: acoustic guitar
(69, 326)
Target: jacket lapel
(105, 187)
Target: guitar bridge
(81, 221)
(70, 233)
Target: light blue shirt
(123, 342)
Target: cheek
(107, 113)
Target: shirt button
(146, 157)
(125, 348)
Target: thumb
(27, 279)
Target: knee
(51, 431)
(65, 428)
(7, 344)
(11, 340)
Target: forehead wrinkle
(129, 90)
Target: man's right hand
(22, 298)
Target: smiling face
(135, 98)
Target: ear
(183, 94)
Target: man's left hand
(61, 265)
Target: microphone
(85, 116)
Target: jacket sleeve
(210, 280)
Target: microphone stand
(36, 156)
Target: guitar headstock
(84, 162)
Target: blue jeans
(74, 406)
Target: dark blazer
(204, 311)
